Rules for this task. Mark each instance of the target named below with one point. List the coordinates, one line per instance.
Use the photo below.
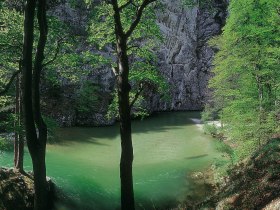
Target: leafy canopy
(247, 76)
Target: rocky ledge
(16, 190)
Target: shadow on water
(66, 202)
(80, 200)
(196, 157)
(156, 123)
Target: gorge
(139, 104)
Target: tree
(31, 98)
(118, 25)
(11, 36)
(247, 78)
(10, 64)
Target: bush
(6, 144)
(210, 129)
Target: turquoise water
(85, 162)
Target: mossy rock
(16, 190)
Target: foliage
(247, 76)
(5, 144)
(8, 123)
(210, 129)
(87, 97)
(141, 48)
(62, 62)
(10, 45)
(228, 150)
(52, 126)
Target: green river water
(167, 147)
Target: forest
(139, 104)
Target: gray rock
(185, 57)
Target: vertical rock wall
(185, 57)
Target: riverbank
(16, 190)
(252, 184)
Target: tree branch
(128, 3)
(6, 45)
(125, 5)
(117, 18)
(8, 85)
(141, 88)
(57, 50)
(138, 17)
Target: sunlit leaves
(141, 46)
(247, 76)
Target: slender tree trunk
(127, 193)
(31, 99)
(20, 139)
(16, 142)
(19, 163)
(39, 163)
(40, 183)
(123, 86)
(30, 130)
(19, 142)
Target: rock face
(185, 60)
(185, 57)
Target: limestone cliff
(185, 60)
(185, 57)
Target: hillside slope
(254, 183)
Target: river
(85, 162)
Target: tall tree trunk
(19, 141)
(39, 163)
(28, 118)
(127, 193)
(16, 142)
(31, 99)
(123, 86)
